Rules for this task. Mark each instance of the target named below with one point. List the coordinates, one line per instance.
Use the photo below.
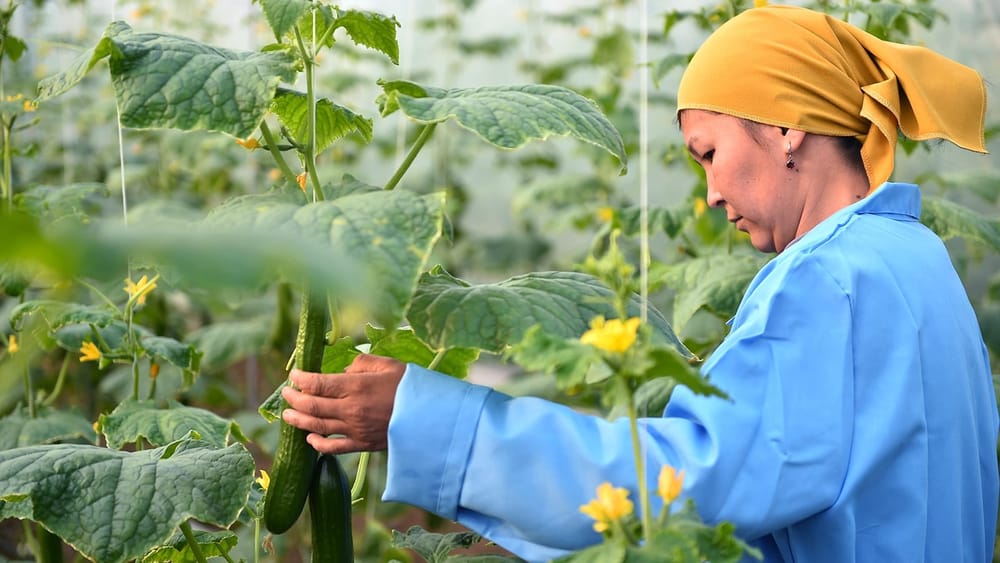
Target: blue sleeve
(517, 469)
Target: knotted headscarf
(793, 67)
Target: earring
(789, 161)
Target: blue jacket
(862, 424)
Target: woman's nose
(713, 197)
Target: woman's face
(746, 176)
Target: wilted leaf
(133, 421)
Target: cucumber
(330, 511)
(295, 460)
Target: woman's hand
(345, 412)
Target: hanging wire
(121, 146)
(644, 257)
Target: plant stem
(272, 147)
(414, 151)
(359, 478)
(195, 548)
(310, 153)
(647, 519)
(437, 358)
(256, 540)
(8, 180)
(29, 394)
(51, 399)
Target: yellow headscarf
(793, 67)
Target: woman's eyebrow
(694, 153)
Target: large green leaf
(58, 314)
(223, 343)
(114, 506)
(390, 234)
(450, 313)
(949, 220)
(713, 282)
(49, 426)
(168, 81)
(133, 421)
(332, 121)
(508, 116)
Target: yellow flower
(605, 214)
(250, 143)
(583, 31)
(301, 179)
(91, 353)
(264, 480)
(154, 370)
(611, 504)
(12, 346)
(670, 483)
(759, 3)
(30, 105)
(611, 336)
(138, 291)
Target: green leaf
(164, 349)
(670, 221)
(195, 254)
(223, 343)
(949, 220)
(372, 30)
(332, 121)
(604, 552)
(14, 47)
(58, 202)
(282, 14)
(569, 361)
(113, 506)
(434, 548)
(650, 398)
(450, 313)
(177, 549)
(62, 82)
(49, 426)
(713, 282)
(387, 235)
(339, 355)
(168, 81)
(667, 64)
(58, 314)
(404, 345)
(614, 50)
(133, 421)
(509, 116)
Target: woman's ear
(793, 137)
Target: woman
(862, 425)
